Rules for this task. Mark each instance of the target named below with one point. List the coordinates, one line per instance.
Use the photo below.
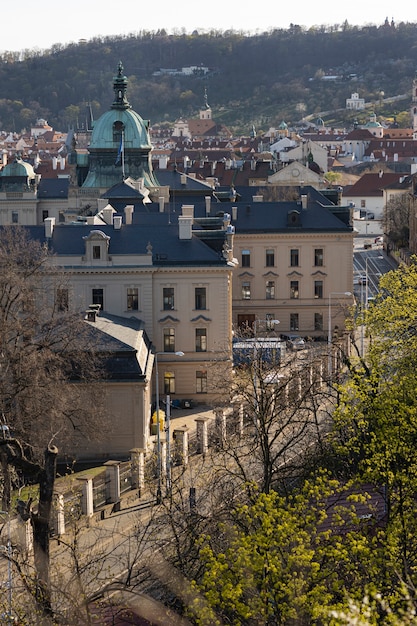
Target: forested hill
(252, 80)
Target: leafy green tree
(285, 560)
(377, 421)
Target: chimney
(163, 162)
(185, 221)
(183, 179)
(107, 213)
(381, 173)
(128, 214)
(161, 200)
(117, 222)
(185, 226)
(54, 162)
(208, 205)
(49, 227)
(188, 210)
(303, 201)
(234, 213)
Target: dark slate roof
(53, 188)
(263, 217)
(123, 345)
(122, 190)
(167, 248)
(173, 179)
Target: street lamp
(158, 431)
(9, 565)
(329, 330)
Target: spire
(119, 87)
(206, 104)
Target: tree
(376, 422)
(284, 560)
(396, 219)
(47, 373)
(280, 413)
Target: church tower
(205, 112)
(120, 146)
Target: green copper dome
(18, 168)
(120, 144)
(106, 133)
(121, 119)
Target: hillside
(252, 80)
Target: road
(369, 266)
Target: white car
(295, 342)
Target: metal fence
(99, 490)
(125, 477)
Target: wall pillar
(202, 434)
(180, 437)
(137, 458)
(87, 498)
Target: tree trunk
(5, 470)
(41, 522)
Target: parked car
(295, 342)
(379, 240)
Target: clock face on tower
(295, 171)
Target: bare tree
(47, 374)
(396, 219)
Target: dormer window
(97, 247)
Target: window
(294, 257)
(98, 297)
(294, 321)
(245, 258)
(45, 214)
(169, 382)
(62, 299)
(201, 340)
(61, 217)
(318, 257)
(15, 217)
(132, 299)
(270, 258)
(96, 252)
(201, 381)
(168, 298)
(294, 292)
(169, 339)
(270, 290)
(200, 298)
(363, 204)
(318, 321)
(245, 291)
(318, 288)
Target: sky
(39, 25)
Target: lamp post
(158, 429)
(329, 330)
(9, 566)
